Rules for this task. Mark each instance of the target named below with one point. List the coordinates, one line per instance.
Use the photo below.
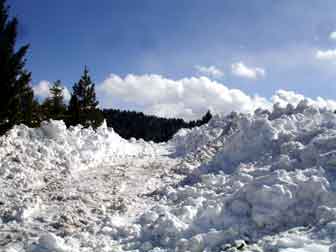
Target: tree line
(130, 124)
(18, 104)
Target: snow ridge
(243, 182)
(270, 173)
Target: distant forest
(150, 128)
(19, 105)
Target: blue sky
(170, 38)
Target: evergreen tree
(37, 114)
(206, 118)
(54, 106)
(27, 108)
(83, 106)
(73, 111)
(148, 127)
(16, 95)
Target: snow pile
(275, 171)
(52, 146)
(261, 182)
(187, 141)
(54, 179)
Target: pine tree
(73, 111)
(206, 118)
(37, 115)
(83, 106)
(15, 93)
(54, 106)
(27, 108)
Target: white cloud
(332, 35)
(66, 94)
(210, 71)
(326, 54)
(329, 54)
(284, 97)
(42, 91)
(188, 98)
(241, 70)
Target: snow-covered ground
(262, 182)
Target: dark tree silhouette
(83, 106)
(150, 128)
(206, 118)
(54, 106)
(16, 96)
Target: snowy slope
(262, 182)
(59, 181)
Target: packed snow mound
(245, 182)
(59, 186)
(26, 153)
(274, 171)
(186, 141)
(53, 146)
(40, 159)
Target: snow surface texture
(59, 181)
(261, 182)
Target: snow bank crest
(250, 182)
(268, 172)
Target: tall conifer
(83, 106)
(54, 106)
(16, 95)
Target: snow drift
(52, 146)
(244, 182)
(272, 172)
(41, 183)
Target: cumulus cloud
(284, 97)
(66, 94)
(241, 70)
(332, 35)
(188, 98)
(326, 54)
(210, 71)
(41, 90)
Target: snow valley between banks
(261, 182)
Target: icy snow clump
(273, 172)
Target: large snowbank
(273, 172)
(251, 182)
(53, 146)
(187, 141)
(42, 186)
